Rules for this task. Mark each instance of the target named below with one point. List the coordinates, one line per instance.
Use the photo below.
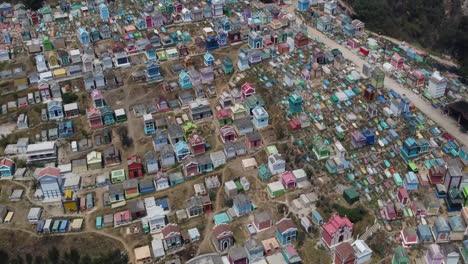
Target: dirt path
(209, 226)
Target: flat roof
(46, 145)
(142, 253)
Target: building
(260, 117)
(286, 231)
(143, 255)
(137, 209)
(254, 250)
(155, 215)
(263, 172)
(275, 189)
(94, 118)
(253, 140)
(337, 230)
(3, 213)
(218, 158)
(194, 206)
(222, 237)
(362, 252)
(344, 254)
(320, 148)
(295, 103)
(409, 237)
(403, 196)
(377, 78)
(118, 176)
(135, 167)
(441, 230)
(276, 164)
(242, 204)
(151, 161)
(330, 7)
(172, 237)
(94, 160)
(437, 85)
(227, 65)
(116, 194)
(237, 255)
(7, 168)
(55, 110)
(34, 214)
(458, 228)
(50, 181)
(288, 180)
(197, 143)
(424, 233)
(130, 187)
(397, 61)
(451, 253)
(148, 124)
(400, 256)
(434, 255)
(436, 174)
(262, 221)
(416, 79)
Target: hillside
(438, 25)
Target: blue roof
(163, 203)
(412, 177)
(440, 162)
(180, 146)
(183, 75)
(455, 222)
(410, 141)
(221, 218)
(424, 230)
(81, 31)
(349, 93)
(368, 132)
(208, 56)
(382, 99)
(317, 217)
(392, 133)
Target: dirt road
(423, 105)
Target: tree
(53, 255)
(4, 258)
(309, 172)
(29, 259)
(228, 202)
(73, 256)
(86, 260)
(300, 238)
(32, 4)
(69, 98)
(17, 260)
(38, 260)
(212, 196)
(112, 257)
(126, 141)
(123, 134)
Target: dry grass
(21, 243)
(310, 254)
